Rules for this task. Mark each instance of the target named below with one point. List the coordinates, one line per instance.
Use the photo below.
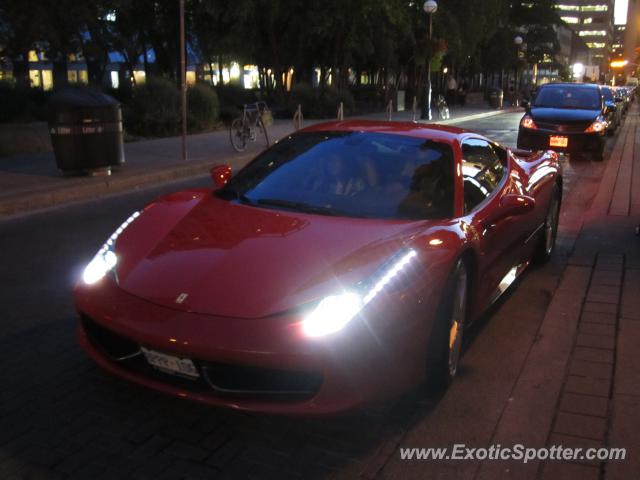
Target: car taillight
(527, 122)
(598, 126)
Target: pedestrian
(452, 88)
(462, 93)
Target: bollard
(298, 118)
(341, 111)
(415, 107)
(389, 110)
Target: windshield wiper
(299, 206)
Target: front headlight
(335, 311)
(106, 259)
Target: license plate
(170, 363)
(556, 141)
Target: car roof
(569, 84)
(443, 133)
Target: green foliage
(22, 104)
(232, 97)
(320, 102)
(203, 108)
(154, 109)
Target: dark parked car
(614, 110)
(565, 117)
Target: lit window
(115, 79)
(35, 79)
(592, 33)
(594, 8)
(571, 20)
(191, 77)
(47, 79)
(139, 76)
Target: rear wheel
(547, 242)
(445, 344)
(237, 135)
(598, 155)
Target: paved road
(60, 416)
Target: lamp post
(517, 41)
(183, 81)
(430, 7)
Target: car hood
(563, 115)
(212, 256)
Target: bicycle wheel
(264, 130)
(237, 135)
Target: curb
(92, 187)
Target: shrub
(154, 109)
(330, 97)
(234, 95)
(320, 102)
(203, 106)
(22, 103)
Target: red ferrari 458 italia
(340, 266)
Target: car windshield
(357, 174)
(568, 96)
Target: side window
(482, 171)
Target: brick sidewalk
(581, 386)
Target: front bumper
(578, 142)
(368, 360)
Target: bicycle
(244, 128)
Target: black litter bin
(496, 98)
(86, 131)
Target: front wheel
(547, 242)
(445, 344)
(238, 135)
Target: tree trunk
(60, 78)
(146, 61)
(95, 71)
(21, 70)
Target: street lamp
(618, 64)
(430, 7)
(578, 71)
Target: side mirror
(220, 175)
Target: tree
(537, 20)
(220, 30)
